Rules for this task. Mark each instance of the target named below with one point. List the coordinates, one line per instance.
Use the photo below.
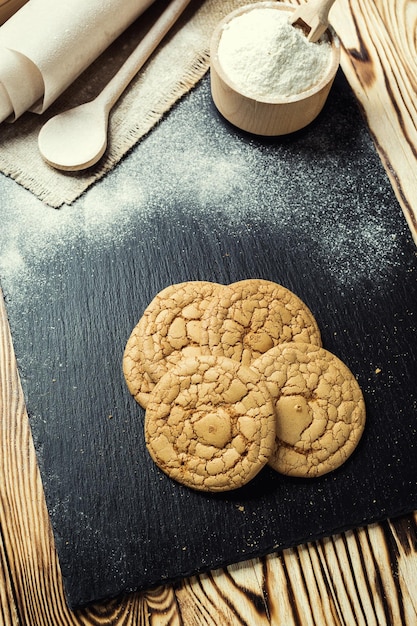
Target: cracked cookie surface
(319, 406)
(249, 317)
(210, 423)
(137, 379)
(168, 330)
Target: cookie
(210, 423)
(168, 330)
(137, 379)
(251, 316)
(319, 406)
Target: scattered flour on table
(265, 56)
(239, 187)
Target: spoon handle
(113, 90)
(315, 15)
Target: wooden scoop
(313, 18)
(77, 138)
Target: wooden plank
(368, 573)
(234, 595)
(403, 560)
(359, 577)
(379, 61)
(8, 613)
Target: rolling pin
(47, 44)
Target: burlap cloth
(179, 63)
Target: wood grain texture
(380, 62)
(8, 615)
(366, 576)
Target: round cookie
(168, 330)
(249, 317)
(319, 406)
(210, 423)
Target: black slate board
(314, 212)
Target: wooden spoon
(313, 18)
(77, 138)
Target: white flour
(227, 185)
(265, 56)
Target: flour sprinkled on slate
(315, 186)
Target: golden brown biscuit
(320, 410)
(249, 317)
(168, 330)
(210, 423)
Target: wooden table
(365, 576)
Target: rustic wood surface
(366, 576)
(380, 62)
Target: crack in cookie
(319, 407)
(249, 317)
(168, 330)
(210, 423)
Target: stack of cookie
(233, 377)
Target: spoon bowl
(76, 139)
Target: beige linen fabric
(179, 63)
